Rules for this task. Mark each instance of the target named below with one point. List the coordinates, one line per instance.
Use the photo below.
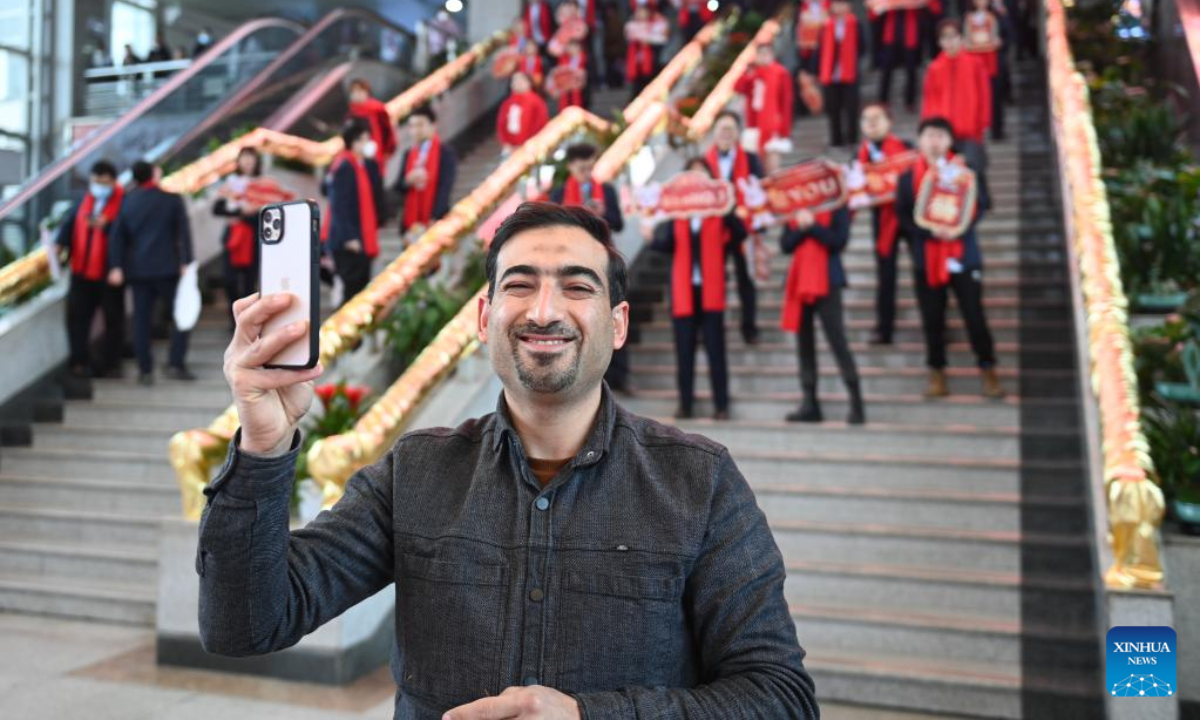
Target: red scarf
(531, 65)
(531, 116)
(367, 224)
(911, 27)
(89, 245)
(573, 98)
(741, 168)
(713, 236)
(543, 20)
(573, 192)
(418, 204)
(808, 277)
(889, 221)
(937, 252)
(639, 60)
(847, 50)
(376, 115)
(958, 89)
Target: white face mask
(99, 191)
(370, 149)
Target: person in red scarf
(427, 171)
(840, 50)
(770, 94)
(375, 114)
(693, 16)
(522, 114)
(539, 22)
(814, 290)
(353, 231)
(957, 87)
(531, 64)
(879, 144)
(900, 44)
(641, 53)
(697, 246)
(240, 239)
(575, 57)
(941, 264)
(83, 235)
(984, 20)
(728, 161)
(580, 190)
(810, 19)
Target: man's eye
(580, 288)
(516, 286)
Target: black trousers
(885, 291)
(354, 268)
(84, 298)
(747, 293)
(999, 98)
(893, 57)
(146, 294)
(841, 107)
(968, 291)
(688, 330)
(239, 281)
(829, 310)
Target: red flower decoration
(355, 393)
(326, 393)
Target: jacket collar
(595, 445)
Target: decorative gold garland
(1135, 502)
(688, 57)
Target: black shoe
(721, 414)
(682, 413)
(810, 411)
(145, 379)
(878, 338)
(751, 337)
(115, 372)
(80, 371)
(180, 373)
(857, 415)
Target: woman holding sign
(939, 202)
(696, 241)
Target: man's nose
(547, 304)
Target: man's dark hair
(103, 168)
(361, 83)
(580, 151)
(938, 122)
(143, 172)
(887, 110)
(697, 162)
(948, 23)
(737, 119)
(424, 111)
(534, 215)
(352, 131)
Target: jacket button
(536, 595)
(542, 503)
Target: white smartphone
(289, 254)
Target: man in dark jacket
(150, 245)
(353, 187)
(561, 553)
(83, 234)
(427, 171)
(580, 190)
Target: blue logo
(1140, 661)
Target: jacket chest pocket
(618, 630)
(450, 618)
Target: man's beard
(546, 381)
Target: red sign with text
(816, 186)
(693, 194)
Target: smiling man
(558, 558)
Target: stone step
(859, 331)
(1037, 555)
(1008, 288)
(880, 381)
(148, 465)
(107, 600)
(936, 590)
(99, 437)
(78, 561)
(80, 526)
(172, 416)
(193, 392)
(82, 494)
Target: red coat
(521, 116)
(769, 101)
(958, 89)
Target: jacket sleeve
(756, 167)
(183, 231)
(744, 633)
(118, 237)
(737, 228)
(263, 587)
(374, 172)
(905, 204)
(790, 239)
(343, 207)
(62, 236)
(612, 209)
(837, 235)
(447, 171)
(401, 186)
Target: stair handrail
(1133, 500)
(683, 62)
(697, 126)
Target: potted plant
(342, 405)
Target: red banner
(945, 202)
(693, 194)
(816, 186)
(263, 191)
(505, 62)
(564, 78)
(810, 92)
(654, 32)
(882, 6)
(880, 180)
(808, 27)
(982, 33)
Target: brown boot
(991, 384)
(937, 384)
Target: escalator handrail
(88, 145)
(285, 56)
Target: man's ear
(484, 311)
(620, 316)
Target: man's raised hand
(530, 702)
(270, 403)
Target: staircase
(938, 557)
(80, 507)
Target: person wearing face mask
(373, 112)
(83, 235)
(942, 263)
(880, 144)
(352, 235)
(697, 246)
(240, 239)
(427, 171)
(728, 161)
(204, 40)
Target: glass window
(14, 92)
(133, 25)
(16, 17)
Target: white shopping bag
(187, 299)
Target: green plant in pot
(342, 405)
(1173, 433)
